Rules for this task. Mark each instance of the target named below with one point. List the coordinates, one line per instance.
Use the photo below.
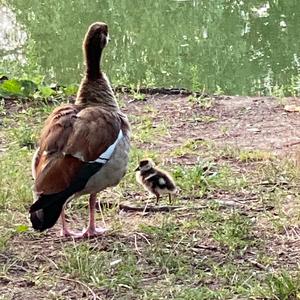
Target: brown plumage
(155, 180)
(83, 147)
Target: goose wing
(72, 136)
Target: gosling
(155, 180)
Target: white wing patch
(161, 181)
(150, 176)
(78, 155)
(105, 156)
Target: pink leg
(92, 230)
(170, 198)
(65, 231)
(157, 197)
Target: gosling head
(145, 165)
(97, 36)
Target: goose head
(145, 165)
(96, 37)
(94, 42)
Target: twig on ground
(290, 144)
(95, 297)
(147, 208)
(5, 278)
(144, 211)
(212, 248)
(295, 233)
(257, 264)
(51, 261)
(189, 197)
(136, 246)
(286, 231)
(138, 209)
(144, 237)
(151, 208)
(151, 278)
(264, 208)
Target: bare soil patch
(245, 122)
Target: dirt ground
(249, 123)
(245, 122)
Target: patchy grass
(254, 155)
(201, 101)
(115, 270)
(234, 235)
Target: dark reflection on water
(238, 47)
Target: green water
(237, 47)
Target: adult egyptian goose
(83, 147)
(155, 180)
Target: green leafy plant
(14, 87)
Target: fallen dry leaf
(292, 108)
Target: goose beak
(137, 169)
